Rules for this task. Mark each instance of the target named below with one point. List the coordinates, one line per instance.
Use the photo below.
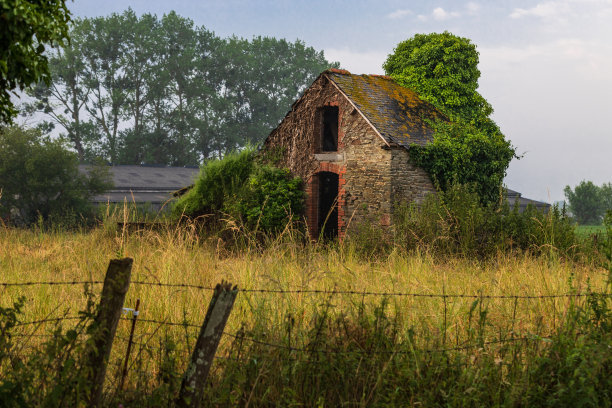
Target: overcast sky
(546, 65)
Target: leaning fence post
(116, 284)
(219, 309)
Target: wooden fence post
(116, 284)
(194, 380)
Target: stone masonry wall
(410, 183)
(362, 164)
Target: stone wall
(410, 183)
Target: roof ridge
(381, 76)
(346, 72)
(339, 71)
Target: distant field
(585, 231)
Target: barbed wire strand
(48, 320)
(322, 291)
(50, 283)
(240, 336)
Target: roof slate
(397, 113)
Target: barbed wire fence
(213, 327)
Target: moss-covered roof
(397, 113)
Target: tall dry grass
(181, 255)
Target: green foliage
(270, 199)
(588, 202)
(26, 27)
(218, 182)
(456, 222)
(443, 70)
(39, 179)
(463, 154)
(261, 196)
(142, 89)
(51, 376)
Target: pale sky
(546, 66)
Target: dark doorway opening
(328, 205)
(329, 134)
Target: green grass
(588, 231)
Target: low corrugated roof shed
(398, 114)
(145, 184)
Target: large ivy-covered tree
(469, 149)
(27, 27)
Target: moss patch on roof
(398, 113)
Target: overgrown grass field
(181, 255)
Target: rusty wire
(324, 291)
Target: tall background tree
(27, 27)
(142, 89)
(468, 149)
(589, 202)
(39, 178)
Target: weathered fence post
(116, 284)
(192, 387)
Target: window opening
(329, 129)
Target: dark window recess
(329, 142)
(328, 205)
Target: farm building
(348, 137)
(149, 186)
(516, 198)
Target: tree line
(141, 89)
(589, 202)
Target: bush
(259, 195)
(218, 181)
(269, 199)
(39, 179)
(456, 222)
(463, 154)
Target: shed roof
(140, 184)
(398, 114)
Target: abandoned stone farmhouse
(348, 137)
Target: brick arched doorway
(327, 204)
(324, 204)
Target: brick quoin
(312, 199)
